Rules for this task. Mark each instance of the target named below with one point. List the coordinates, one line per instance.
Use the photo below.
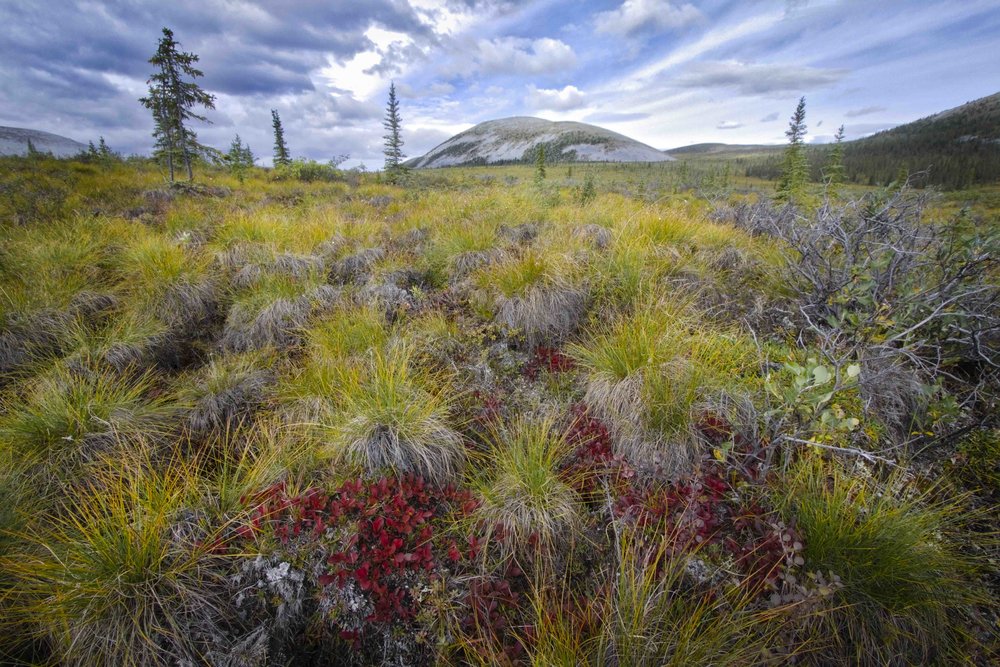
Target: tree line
(173, 97)
(956, 151)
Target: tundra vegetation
(639, 415)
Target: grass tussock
(906, 577)
(113, 580)
(530, 508)
(537, 296)
(69, 417)
(227, 392)
(397, 419)
(647, 373)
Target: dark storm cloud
(78, 67)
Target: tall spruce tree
(833, 171)
(394, 169)
(281, 156)
(795, 165)
(171, 99)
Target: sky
(665, 72)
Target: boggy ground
(471, 420)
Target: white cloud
(636, 15)
(518, 55)
(751, 79)
(570, 97)
(728, 125)
(770, 118)
(864, 111)
(708, 42)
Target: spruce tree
(239, 159)
(281, 157)
(795, 166)
(394, 169)
(833, 172)
(540, 164)
(171, 99)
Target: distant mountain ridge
(516, 139)
(14, 141)
(957, 148)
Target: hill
(14, 141)
(718, 150)
(957, 148)
(512, 140)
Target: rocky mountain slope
(517, 139)
(14, 141)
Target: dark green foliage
(954, 149)
(395, 170)
(239, 159)
(795, 166)
(171, 99)
(539, 164)
(833, 173)
(281, 156)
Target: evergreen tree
(281, 156)
(833, 172)
(394, 169)
(795, 166)
(540, 164)
(171, 99)
(239, 159)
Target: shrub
(383, 543)
(879, 283)
(906, 580)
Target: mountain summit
(14, 141)
(517, 139)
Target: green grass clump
(68, 417)
(111, 580)
(227, 391)
(128, 342)
(45, 267)
(527, 502)
(648, 613)
(516, 277)
(647, 372)
(905, 578)
(392, 417)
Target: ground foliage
(306, 417)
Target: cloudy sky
(666, 72)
